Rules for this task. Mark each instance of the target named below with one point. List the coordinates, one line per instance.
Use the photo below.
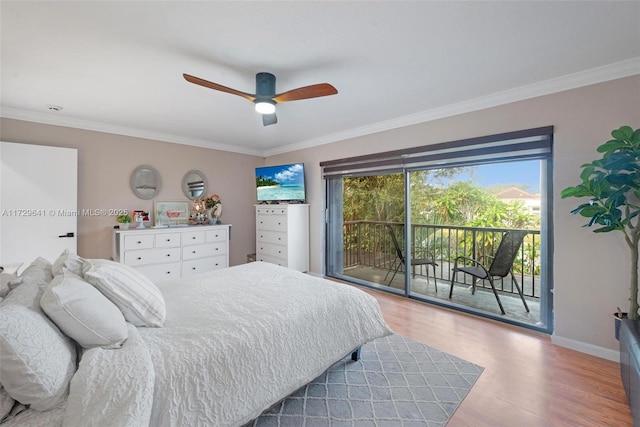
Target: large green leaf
(624, 133)
(611, 146)
(588, 210)
(577, 191)
(622, 179)
(622, 160)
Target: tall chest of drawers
(168, 253)
(282, 235)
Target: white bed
(234, 342)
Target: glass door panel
(363, 213)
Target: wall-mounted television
(282, 183)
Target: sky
(525, 172)
(284, 174)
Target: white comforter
(234, 343)
(237, 341)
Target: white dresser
(167, 253)
(282, 235)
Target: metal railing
(369, 244)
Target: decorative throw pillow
(5, 278)
(83, 313)
(68, 260)
(133, 293)
(38, 272)
(36, 360)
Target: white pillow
(6, 403)
(5, 278)
(38, 272)
(133, 293)
(68, 260)
(83, 313)
(36, 360)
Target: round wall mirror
(194, 184)
(145, 182)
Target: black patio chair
(399, 261)
(501, 265)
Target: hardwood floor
(527, 380)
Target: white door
(38, 202)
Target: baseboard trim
(594, 350)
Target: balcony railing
(369, 244)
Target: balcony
(369, 256)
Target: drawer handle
(193, 268)
(216, 264)
(139, 258)
(279, 223)
(168, 254)
(193, 238)
(216, 249)
(217, 235)
(279, 238)
(139, 242)
(193, 252)
(168, 240)
(168, 272)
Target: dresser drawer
(140, 241)
(202, 265)
(193, 238)
(277, 261)
(271, 250)
(202, 251)
(275, 237)
(271, 210)
(216, 235)
(167, 240)
(160, 272)
(272, 222)
(151, 256)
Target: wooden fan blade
(216, 86)
(306, 92)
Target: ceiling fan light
(265, 107)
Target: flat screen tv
(282, 183)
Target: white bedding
(268, 331)
(234, 342)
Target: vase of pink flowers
(212, 205)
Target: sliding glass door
(408, 231)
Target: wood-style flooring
(527, 381)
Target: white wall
(591, 271)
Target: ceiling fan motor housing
(265, 86)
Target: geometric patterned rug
(398, 382)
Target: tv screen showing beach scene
(280, 183)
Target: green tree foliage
(437, 198)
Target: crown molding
(601, 74)
(52, 119)
(559, 84)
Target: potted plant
(124, 221)
(612, 184)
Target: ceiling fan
(265, 98)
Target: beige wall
(591, 271)
(105, 164)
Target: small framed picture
(171, 213)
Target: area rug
(398, 382)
